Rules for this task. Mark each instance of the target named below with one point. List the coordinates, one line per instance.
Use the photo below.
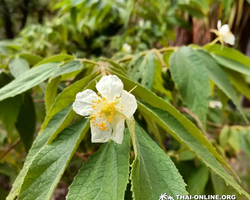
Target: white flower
(107, 109)
(214, 104)
(141, 22)
(224, 34)
(127, 48)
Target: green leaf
(105, 174)
(31, 58)
(178, 131)
(223, 98)
(233, 65)
(158, 80)
(28, 80)
(142, 71)
(76, 2)
(186, 155)
(228, 53)
(219, 77)
(26, 121)
(9, 109)
(56, 58)
(220, 187)
(71, 66)
(239, 82)
(67, 120)
(68, 95)
(152, 166)
(157, 102)
(223, 137)
(115, 66)
(57, 123)
(197, 181)
(50, 162)
(234, 140)
(51, 92)
(194, 11)
(190, 75)
(244, 139)
(18, 66)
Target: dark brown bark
(25, 10)
(7, 20)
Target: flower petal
(110, 87)
(127, 104)
(218, 24)
(224, 30)
(99, 136)
(118, 131)
(83, 102)
(229, 38)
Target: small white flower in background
(107, 109)
(224, 34)
(127, 48)
(214, 104)
(141, 22)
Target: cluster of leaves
(195, 72)
(84, 27)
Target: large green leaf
(68, 95)
(232, 64)
(142, 70)
(219, 77)
(51, 92)
(157, 102)
(105, 174)
(178, 131)
(28, 80)
(71, 66)
(56, 58)
(57, 123)
(153, 172)
(18, 66)
(50, 162)
(228, 53)
(239, 82)
(190, 75)
(26, 121)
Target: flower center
(109, 110)
(105, 110)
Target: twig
(130, 57)
(89, 61)
(82, 156)
(186, 110)
(9, 149)
(38, 100)
(214, 124)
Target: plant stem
(9, 149)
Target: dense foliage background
(138, 39)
